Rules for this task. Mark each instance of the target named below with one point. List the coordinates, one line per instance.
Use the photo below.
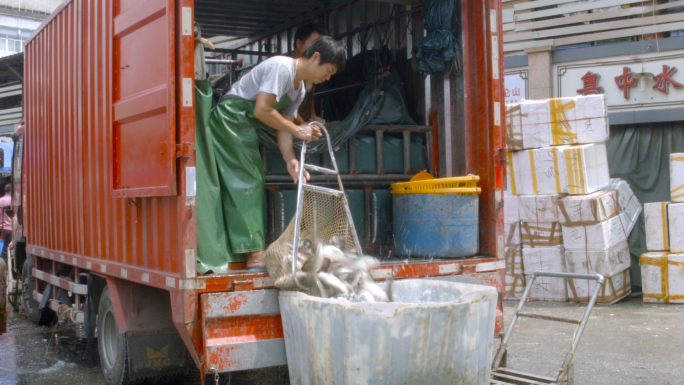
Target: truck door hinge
(183, 150)
(502, 156)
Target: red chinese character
(590, 82)
(664, 79)
(516, 91)
(625, 81)
(507, 92)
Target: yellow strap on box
(533, 166)
(662, 262)
(512, 173)
(663, 209)
(560, 128)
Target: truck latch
(183, 150)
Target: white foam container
(435, 332)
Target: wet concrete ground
(626, 343)
(29, 355)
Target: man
(6, 220)
(303, 37)
(270, 94)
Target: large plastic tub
(427, 225)
(435, 332)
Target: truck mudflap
(242, 330)
(151, 354)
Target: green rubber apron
(230, 183)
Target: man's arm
(286, 148)
(264, 110)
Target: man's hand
(293, 169)
(318, 119)
(308, 133)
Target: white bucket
(435, 332)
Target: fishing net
(325, 218)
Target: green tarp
(640, 154)
(213, 251)
(438, 49)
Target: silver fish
(366, 296)
(333, 253)
(314, 263)
(376, 291)
(332, 282)
(287, 282)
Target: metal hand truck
(504, 376)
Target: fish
(364, 263)
(333, 282)
(315, 261)
(333, 253)
(287, 282)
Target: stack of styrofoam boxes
(662, 269)
(515, 277)
(595, 233)
(542, 245)
(558, 149)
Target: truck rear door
(144, 118)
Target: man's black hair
(331, 50)
(303, 32)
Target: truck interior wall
(69, 150)
(359, 26)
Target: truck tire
(111, 343)
(39, 317)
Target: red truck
(105, 227)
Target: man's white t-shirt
(274, 76)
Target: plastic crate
(425, 183)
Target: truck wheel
(35, 315)
(111, 343)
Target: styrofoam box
(511, 209)
(657, 234)
(515, 277)
(585, 209)
(597, 237)
(539, 171)
(628, 201)
(541, 234)
(512, 236)
(675, 278)
(558, 121)
(606, 262)
(586, 168)
(538, 208)
(528, 116)
(615, 288)
(546, 259)
(654, 277)
(677, 177)
(675, 220)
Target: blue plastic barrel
(436, 226)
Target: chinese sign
(515, 87)
(627, 83)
